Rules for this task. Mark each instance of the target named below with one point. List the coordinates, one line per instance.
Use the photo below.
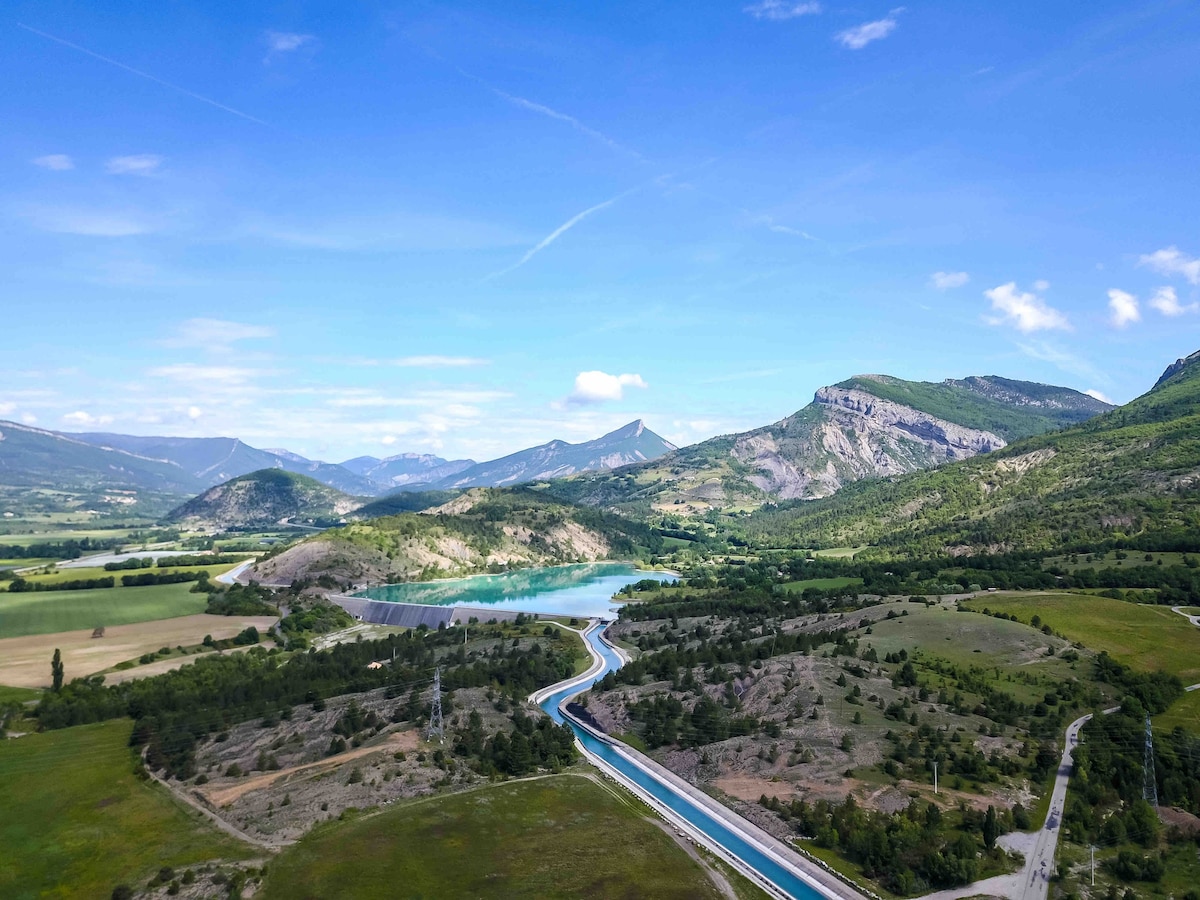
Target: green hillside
(1130, 472)
(485, 529)
(1011, 409)
(264, 498)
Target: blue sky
(469, 228)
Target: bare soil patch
(750, 789)
(400, 740)
(25, 661)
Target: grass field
(972, 640)
(17, 694)
(1148, 638)
(48, 612)
(60, 575)
(1184, 712)
(77, 821)
(839, 552)
(23, 563)
(564, 836)
(824, 584)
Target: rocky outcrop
(850, 434)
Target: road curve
(1195, 620)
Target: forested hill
(265, 498)
(866, 427)
(483, 530)
(1132, 472)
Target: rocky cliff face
(852, 435)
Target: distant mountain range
(150, 475)
(869, 426)
(405, 469)
(634, 443)
(212, 461)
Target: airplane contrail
(557, 233)
(146, 75)
(541, 109)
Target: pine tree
(56, 669)
(991, 828)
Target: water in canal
(681, 804)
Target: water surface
(583, 590)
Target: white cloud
(1064, 360)
(56, 162)
(1166, 301)
(7, 408)
(90, 223)
(776, 227)
(1025, 311)
(140, 164)
(388, 440)
(859, 36)
(1124, 308)
(207, 375)
(946, 280)
(194, 412)
(1099, 395)
(1041, 285)
(597, 387)
(287, 41)
(781, 10)
(439, 361)
(29, 418)
(82, 418)
(215, 335)
(1170, 261)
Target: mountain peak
(632, 430)
(1178, 366)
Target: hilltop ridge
(1131, 471)
(868, 426)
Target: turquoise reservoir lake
(583, 590)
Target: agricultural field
(23, 563)
(1144, 637)
(25, 661)
(57, 576)
(839, 552)
(49, 612)
(52, 536)
(77, 821)
(561, 836)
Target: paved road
(1031, 882)
(1195, 620)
